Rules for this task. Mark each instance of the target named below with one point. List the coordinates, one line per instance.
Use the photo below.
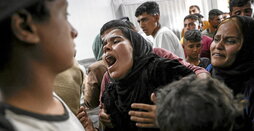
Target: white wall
(87, 17)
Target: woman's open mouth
(110, 60)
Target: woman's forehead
(111, 33)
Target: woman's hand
(105, 118)
(147, 118)
(85, 120)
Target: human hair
(238, 3)
(113, 24)
(195, 104)
(149, 7)
(194, 6)
(213, 13)
(193, 36)
(192, 16)
(39, 13)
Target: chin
(69, 65)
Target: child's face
(192, 49)
(57, 37)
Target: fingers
(81, 109)
(103, 116)
(145, 125)
(143, 120)
(81, 114)
(143, 106)
(105, 119)
(142, 114)
(153, 98)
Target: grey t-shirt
(27, 121)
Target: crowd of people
(202, 81)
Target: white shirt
(165, 38)
(27, 121)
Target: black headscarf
(243, 66)
(149, 71)
(239, 76)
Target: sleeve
(168, 55)
(170, 42)
(67, 86)
(93, 84)
(166, 71)
(105, 81)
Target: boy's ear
(23, 27)
(157, 17)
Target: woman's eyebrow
(111, 38)
(235, 37)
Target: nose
(219, 45)
(107, 47)
(74, 32)
(195, 49)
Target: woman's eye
(216, 39)
(116, 41)
(231, 41)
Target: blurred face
(191, 24)
(224, 16)
(192, 49)
(118, 53)
(56, 45)
(226, 44)
(148, 23)
(194, 10)
(215, 21)
(245, 10)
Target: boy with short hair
(192, 47)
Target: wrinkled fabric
(148, 73)
(239, 76)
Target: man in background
(148, 15)
(241, 7)
(214, 20)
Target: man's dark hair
(214, 12)
(192, 16)
(149, 7)
(238, 3)
(193, 36)
(195, 104)
(194, 6)
(39, 13)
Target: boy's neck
(156, 30)
(37, 96)
(193, 61)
